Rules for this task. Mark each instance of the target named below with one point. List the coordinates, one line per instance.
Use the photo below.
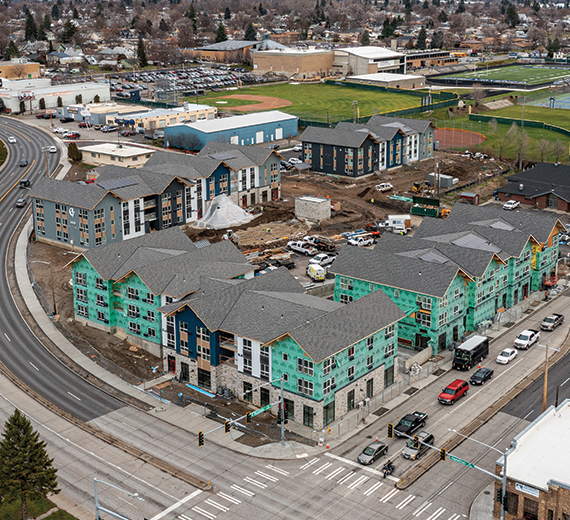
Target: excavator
(419, 187)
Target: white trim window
(305, 387)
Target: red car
(85, 124)
(40, 116)
(453, 392)
(128, 133)
(72, 135)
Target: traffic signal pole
(282, 405)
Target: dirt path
(264, 103)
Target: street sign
(461, 461)
(261, 410)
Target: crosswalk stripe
(208, 515)
(184, 517)
(346, 477)
(242, 490)
(229, 498)
(437, 514)
(421, 509)
(310, 463)
(357, 482)
(322, 468)
(335, 473)
(405, 502)
(278, 470)
(255, 482)
(216, 505)
(392, 493)
(268, 477)
(371, 490)
(454, 516)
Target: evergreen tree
(437, 40)
(461, 7)
(425, 4)
(442, 17)
(191, 15)
(79, 99)
(99, 9)
(46, 23)
(73, 153)
(221, 35)
(69, 29)
(42, 36)
(535, 7)
(250, 33)
(31, 28)
(163, 26)
(227, 14)
(59, 101)
(75, 14)
(12, 51)
(26, 471)
(262, 10)
(96, 99)
(421, 41)
(141, 53)
(55, 12)
(511, 16)
(365, 40)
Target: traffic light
(286, 415)
(500, 495)
(227, 427)
(416, 442)
(278, 416)
(200, 438)
(442, 454)
(247, 417)
(390, 431)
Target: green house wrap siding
(115, 297)
(362, 352)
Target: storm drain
(509, 324)
(411, 391)
(380, 412)
(439, 372)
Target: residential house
(454, 274)
(249, 334)
(121, 286)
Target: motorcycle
(388, 468)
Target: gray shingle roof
(380, 133)
(244, 156)
(187, 166)
(334, 137)
(418, 125)
(85, 196)
(230, 45)
(541, 179)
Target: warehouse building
(355, 61)
(248, 129)
(385, 79)
(303, 63)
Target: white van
(316, 273)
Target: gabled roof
(235, 155)
(85, 196)
(418, 125)
(230, 45)
(187, 166)
(335, 137)
(542, 179)
(380, 133)
(167, 262)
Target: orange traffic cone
(327, 445)
(479, 365)
(376, 438)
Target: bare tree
(19, 70)
(478, 93)
(494, 130)
(558, 149)
(543, 147)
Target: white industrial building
(368, 60)
(30, 91)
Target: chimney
(394, 44)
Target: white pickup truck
(361, 241)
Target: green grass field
(314, 101)
(531, 75)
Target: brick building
(546, 185)
(304, 63)
(538, 480)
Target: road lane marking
(322, 468)
(421, 509)
(371, 490)
(391, 494)
(217, 506)
(246, 492)
(203, 512)
(437, 514)
(268, 477)
(358, 481)
(255, 482)
(455, 516)
(176, 505)
(565, 382)
(528, 414)
(278, 470)
(405, 502)
(335, 473)
(184, 517)
(446, 487)
(17, 182)
(17, 132)
(308, 464)
(7, 337)
(74, 396)
(34, 366)
(356, 464)
(229, 498)
(348, 476)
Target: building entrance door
(172, 364)
(328, 413)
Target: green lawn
(552, 116)
(531, 75)
(12, 510)
(315, 101)
(219, 102)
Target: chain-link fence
(82, 345)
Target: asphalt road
(20, 350)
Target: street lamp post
(545, 389)
(504, 477)
(105, 510)
(51, 279)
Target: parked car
(482, 375)
(552, 321)
(511, 205)
(128, 133)
(322, 259)
(384, 186)
(297, 147)
(415, 452)
(284, 262)
(453, 392)
(23, 163)
(107, 129)
(66, 120)
(316, 273)
(85, 124)
(71, 135)
(527, 338)
(40, 116)
(294, 160)
(12, 140)
(140, 130)
(361, 241)
(506, 355)
(97, 127)
(302, 247)
(21, 202)
(59, 130)
(372, 453)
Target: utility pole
(282, 405)
(545, 388)
(522, 134)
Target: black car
(482, 375)
(66, 120)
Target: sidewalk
(482, 506)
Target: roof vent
(281, 316)
(521, 187)
(262, 307)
